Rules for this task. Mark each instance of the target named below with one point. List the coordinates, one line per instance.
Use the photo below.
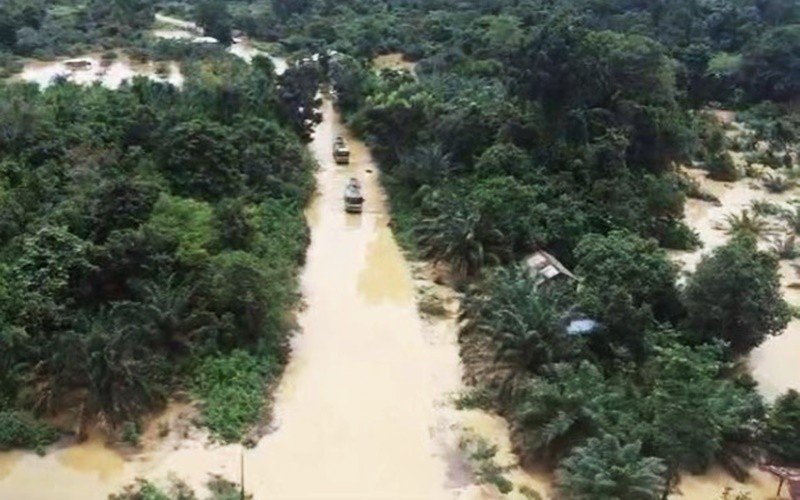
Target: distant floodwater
(89, 69)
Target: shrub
(233, 390)
(721, 168)
(21, 430)
(782, 438)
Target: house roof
(545, 265)
(788, 474)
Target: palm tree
(777, 183)
(785, 248)
(604, 469)
(745, 223)
(112, 363)
(792, 219)
(459, 238)
(528, 320)
(563, 408)
(166, 313)
(424, 165)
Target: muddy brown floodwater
(356, 411)
(110, 74)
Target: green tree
(526, 319)
(771, 66)
(735, 296)
(626, 283)
(562, 409)
(458, 238)
(422, 165)
(200, 160)
(233, 225)
(605, 469)
(49, 265)
(120, 204)
(285, 9)
(114, 360)
(782, 437)
(690, 416)
(503, 159)
(216, 21)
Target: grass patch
(481, 457)
(475, 397)
(404, 217)
(20, 429)
(232, 389)
(430, 303)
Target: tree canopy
(136, 256)
(735, 296)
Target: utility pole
(241, 471)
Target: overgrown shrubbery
(150, 236)
(20, 429)
(644, 373)
(233, 389)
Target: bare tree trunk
(82, 433)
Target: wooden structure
(790, 475)
(545, 267)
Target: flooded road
(357, 406)
(364, 408)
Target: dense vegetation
(149, 241)
(560, 126)
(526, 125)
(42, 28)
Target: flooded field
(91, 68)
(186, 30)
(773, 364)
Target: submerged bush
(21, 430)
(233, 389)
